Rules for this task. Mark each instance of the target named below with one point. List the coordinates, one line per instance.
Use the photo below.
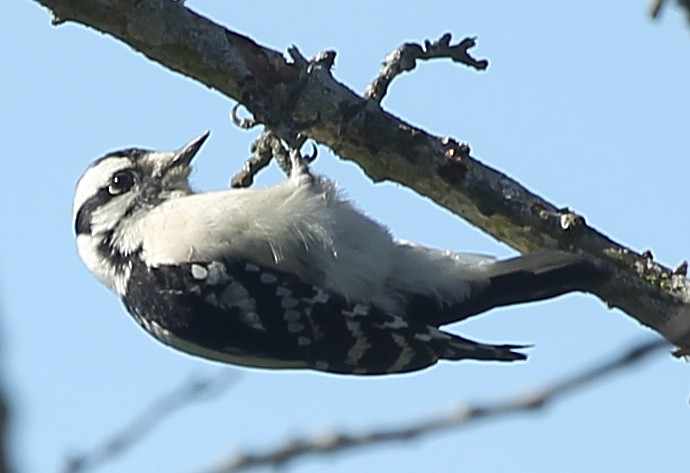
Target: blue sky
(586, 104)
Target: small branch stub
(266, 147)
(406, 56)
(453, 169)
(682, 269)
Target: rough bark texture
(305, 97)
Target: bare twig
(456, 418)
(264, 148)
(406, 56)
(186, 393)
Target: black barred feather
(236, 310)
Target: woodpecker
(291, 276)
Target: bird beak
(184, 156)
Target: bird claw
(299, 167)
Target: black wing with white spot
(238, 312)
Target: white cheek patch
(108, 215)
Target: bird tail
(457, 348)
(527, 278)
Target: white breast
(309, 231)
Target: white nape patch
(303, 341)
(361, 345)
(398, 322)
(252, 268)
(268, 278)
(199, 272)
(406, 353)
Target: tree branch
(303, 97)
(456, 418)
(188, 392)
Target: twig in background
(186, 393)
(458, 417)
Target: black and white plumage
(290, 276)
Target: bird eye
(122, 181)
